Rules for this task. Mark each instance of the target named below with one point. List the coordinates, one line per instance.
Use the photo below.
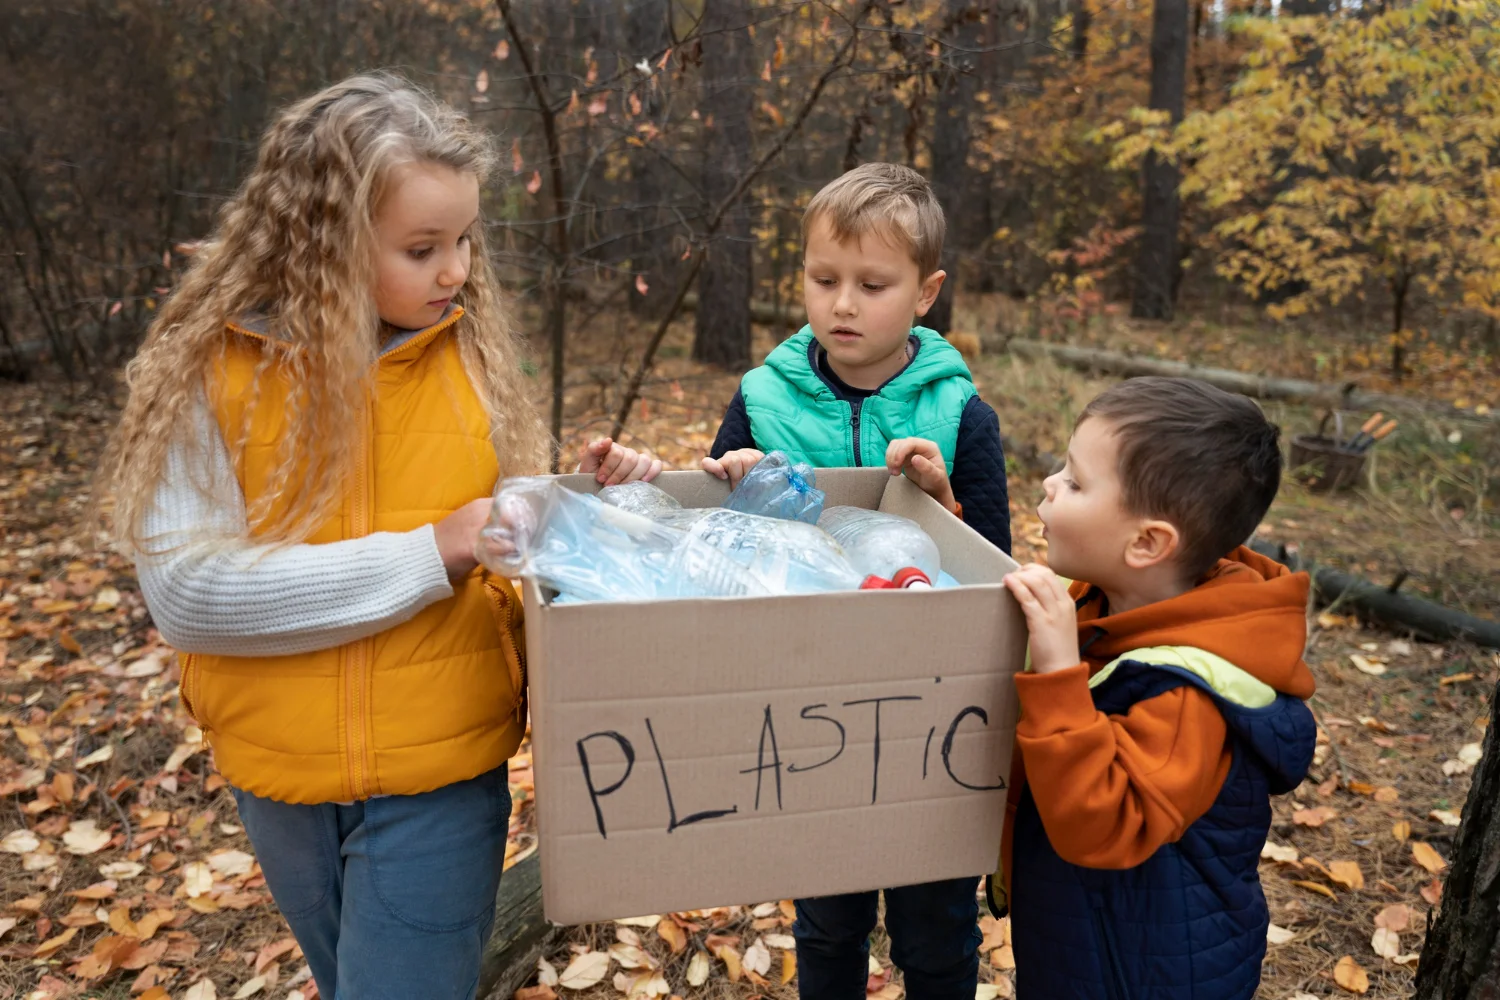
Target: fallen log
(1346, 396)
(1386, 605)
(520, 933)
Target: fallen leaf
(53, 945)
(1401, 830)
(1350, 976)
(146, 666)
(584, 971)
(99, 756)
(1317, 887)
(251, 987)
(625, 935)
(1409, 960)
(120, 922)
(272, 952)
(122, 870)
(6, 925)
(1003, 958)
(1386, 943)
(1424, 855)
(1455, 679)
(1361, 788)
(994, 931)
(785, 941)
(83, 837)
(203, 989)
(1374, 724)
(197, 879)
(1445, 817)
(231, 863)
(535, 184)
(629, 956)
(1433, 892)
(1470, 753)
(1395, 917)
(1347, 874)
(758, 958)
(646, 922)
(675, 936)
(1279, 852)
(1278, 935)
(731, 960)
(99, 890)
(19, 842)
(1372, 667)
(546, 972)
(698, 969)
(641, 285)
(1387, 794)
(1314, 817)
(788, 966)
(540, 992)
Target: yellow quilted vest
(437, 699)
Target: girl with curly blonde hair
(316, 422)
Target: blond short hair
(895, 201)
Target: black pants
(934, 941)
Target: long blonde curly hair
(297, 244)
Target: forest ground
(123, 870)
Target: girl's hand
(733, 465)
(457, 534)
(1050, 615)
(613, 463)
(923, 464)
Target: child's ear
(931, 285)
(1154, 543)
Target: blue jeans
(390, 897)
(934, 941)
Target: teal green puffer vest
(792, 409)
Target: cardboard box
(699, 753)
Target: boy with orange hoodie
(1164, 705)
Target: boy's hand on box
(1050, 615)
(923, 464)
(613, 463)
(733, 465)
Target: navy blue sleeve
(734, 430)
(979, 474)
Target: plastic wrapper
(592, 551)
(777, 488)
(881, 544)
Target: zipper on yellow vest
(502, 602)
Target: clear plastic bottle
(881, 544)
(777, 488)
(579, 546)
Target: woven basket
(1325, 466)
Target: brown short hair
(1204, 459)
(886, 197)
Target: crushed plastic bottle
(777, 488)
(651, 501)
(880, 544)
(589, 550)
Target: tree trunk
(1157, 262)
(724, 283)
(1461, 957)
(1305, 8)
(956, 83)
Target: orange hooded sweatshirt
(1112, 789)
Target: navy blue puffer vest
(1190, 922)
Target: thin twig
(840, 61)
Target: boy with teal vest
(861, 386)
(1163, 707)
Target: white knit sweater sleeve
(211, 593)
